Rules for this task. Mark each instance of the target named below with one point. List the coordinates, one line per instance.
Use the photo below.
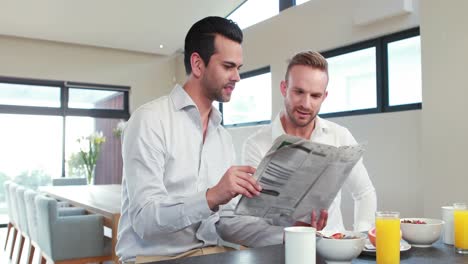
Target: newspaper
(298, 176)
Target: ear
(197, 64)
(325, 95)
(283, 88)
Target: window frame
(248, 74)
(381, 59)
(414, 32)
(64, 110)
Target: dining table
(96, 199)
(438, 253)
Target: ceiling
(141, 25)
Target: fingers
(251, 181)
(247, 188)
(313, 219)
(237, 180)
(322, 222)
(246, 169)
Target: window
(252, 12)
(251, 100)
(378, 75)
(94, 99)
(352, 82)
(300, 2)
(404, 71)
(41, 122)
(29, 95)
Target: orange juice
(460, 222)
(387, 235)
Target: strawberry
(338, 236)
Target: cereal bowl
(421, 232)
(340, 250)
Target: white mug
(299, 245)
(447, 230)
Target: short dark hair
(200, 38)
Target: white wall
(392, 159)
(149, 76)
(394, 146)
(445, 93)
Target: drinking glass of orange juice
(387, 236)
(460, 223)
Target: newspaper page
(298, 176)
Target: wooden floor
(4, 257)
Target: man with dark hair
(304, 89)
(177, 159)
(200, 38)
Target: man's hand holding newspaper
(298, 177)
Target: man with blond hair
(304, 90)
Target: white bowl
(340, 250)
(421, 235)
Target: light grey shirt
(167, 169)
(358, 182)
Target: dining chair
(31, 215)
(69, 239)
(22, 223)
(11, 226)
(29, 196)
(15, 218)
(69, 181)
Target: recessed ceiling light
(161, 46)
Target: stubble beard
(215, 93)
(218, 95)
(295, 121)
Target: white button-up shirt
(167, 169)
(358, 182)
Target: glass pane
(30, 152)
(95, 99)
(250, 101)
(404, 71)
(353, 82)
(252, 12)
(108, 166)
(29, 95)
(299, 2)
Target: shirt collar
(182, 100)
(278, 130)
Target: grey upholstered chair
(63, 239)
(22, 222)
(29, 196)
(31, 215)
(69, 181)
(15, 218)
(12, 229)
